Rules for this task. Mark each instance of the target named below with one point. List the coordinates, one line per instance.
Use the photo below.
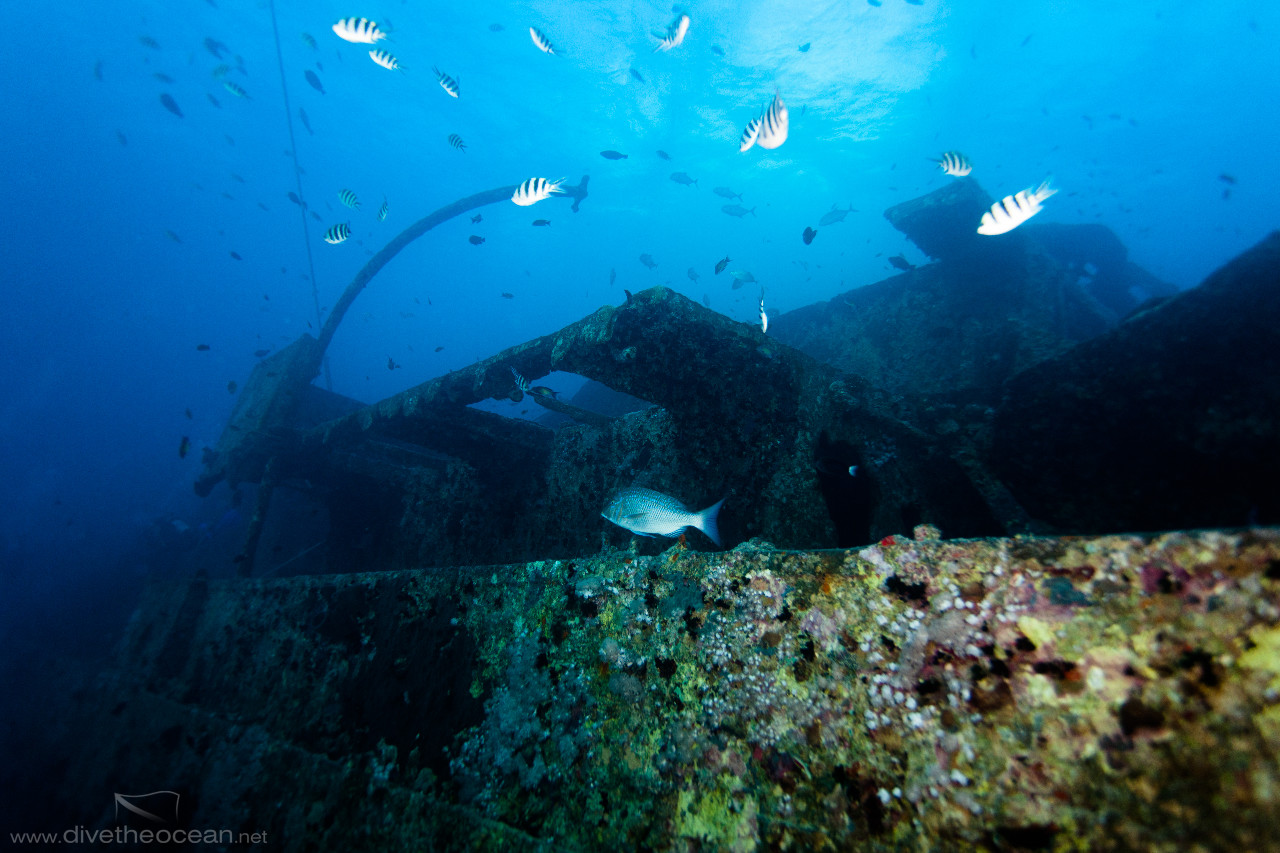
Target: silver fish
(835, 215)
(737, 210)
(651, 513)
(725, 192)
(682, 178)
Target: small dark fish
(261, 353)
(636, 74)
(474, 240)
(215, 47)
(236, 256)
(692, 273)
(184, 446)
(495, 28)
(439, 349)
(120, 136)
(314, 81)
(544, 391)
(213, 101)
(232, 386)
(477, 218)
(302, 114)
(737, 210)
(1226, 193)
(1227, 179)
(170, 104)
(174, 237)
(148, 41)
(202, 347)
(613, 276)
(664, 155)
(262, 206)
(391, 364)
(188, 414)
(163, 78)
(316, 216)
(901, 263)
(683, 178)
(719, 51)
(293, 197)
(725, 192)
(808, 235)
(542, 222)
(804, 48)
(722, 263)
(228, 138)
(1025, 41)
(613, 155)
(648, 261)
(506, 295)
(97, 70)
(309, 40)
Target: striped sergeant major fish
(386, 60)
(382, 211)
(1013, 210)
(358, 31)
(541, 41)
(674, 35)
(456, 141)
(235, 89)
(449, 84)
(348, 198)
(955, 164)
(773, 127)
(749, 134)
(535, 190)
(338, 233)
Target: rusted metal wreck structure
(478, 662)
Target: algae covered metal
(1120, 692)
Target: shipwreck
(998, 577)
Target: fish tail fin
(707, 521)
(753, 212)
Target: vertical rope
(297, 177)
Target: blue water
(1135, 109)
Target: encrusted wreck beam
(1109, 693)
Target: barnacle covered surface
(1120, 693)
